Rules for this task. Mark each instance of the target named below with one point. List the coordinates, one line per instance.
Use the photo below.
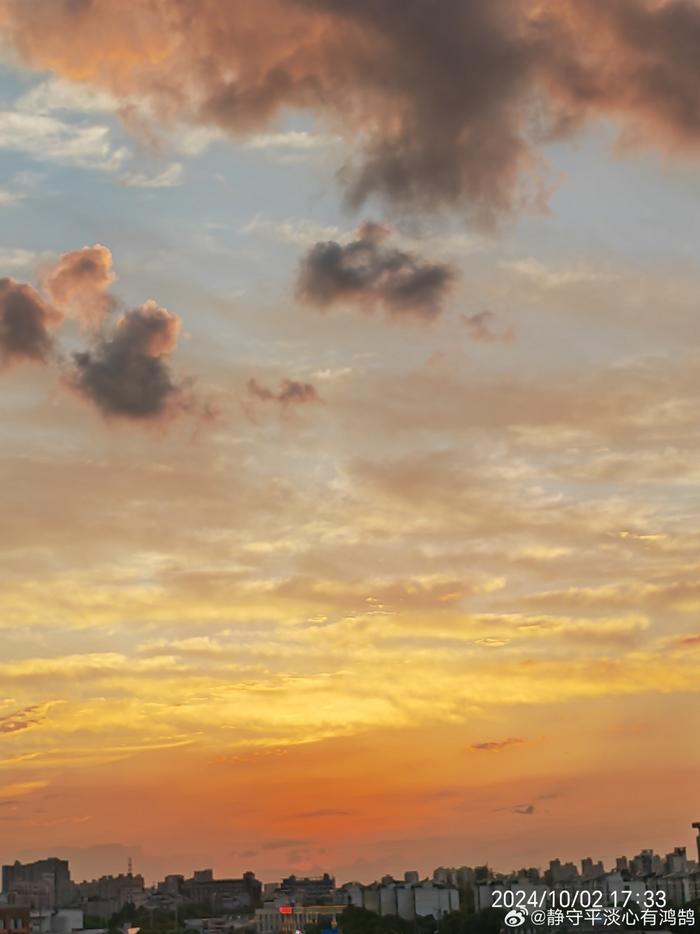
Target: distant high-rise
(696, 825)
(55, 869)
(310, 890)
(222, 893)
(590, 870)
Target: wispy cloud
(20, 789)
(48, 139)
(547, 276)
(10, 197)
(292, 139)
(296, 232)
(54, 94)
(292, 145)
(16, 258)
(170, 177)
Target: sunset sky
(349, 434)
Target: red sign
(286, 909)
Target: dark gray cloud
(481, 329)
(126, 369)
(127, 372)
(23, 719)
(282, 844)
(549, 796)
(324, 812)
(524, 809)
(291, 392)
(368, 273)
(26, 322)
(496, 745)
(443, 103)
(636, 59)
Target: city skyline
(132, 871)
(349, 380)
(594, 859)
(663, 886)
